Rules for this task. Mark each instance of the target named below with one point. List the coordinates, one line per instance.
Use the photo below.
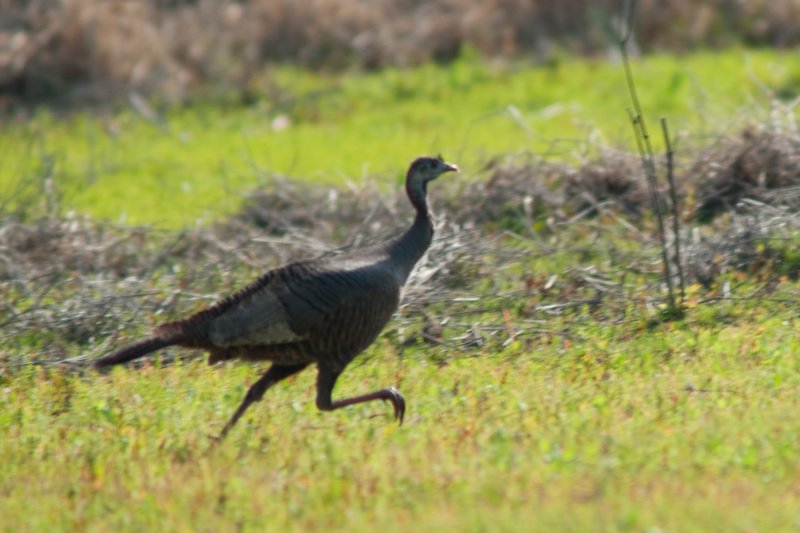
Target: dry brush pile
(96, 49)
(71, 286)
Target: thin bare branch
(673, 194)
(645, 150)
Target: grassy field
(543, 392)
(193, 164)
(686, 427)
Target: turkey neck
(406, 250)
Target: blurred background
(68, 52)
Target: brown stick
(673, 194)
(645, 146)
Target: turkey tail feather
(135, 351)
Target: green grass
(593, 420)
(597, 421)
(197, 166)
(601, 434)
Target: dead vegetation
(93, 50)
(761, 163)
(72, 286)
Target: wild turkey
(324, 311)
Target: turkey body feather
(324, 311)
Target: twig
(644, 145)
(673, 194)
